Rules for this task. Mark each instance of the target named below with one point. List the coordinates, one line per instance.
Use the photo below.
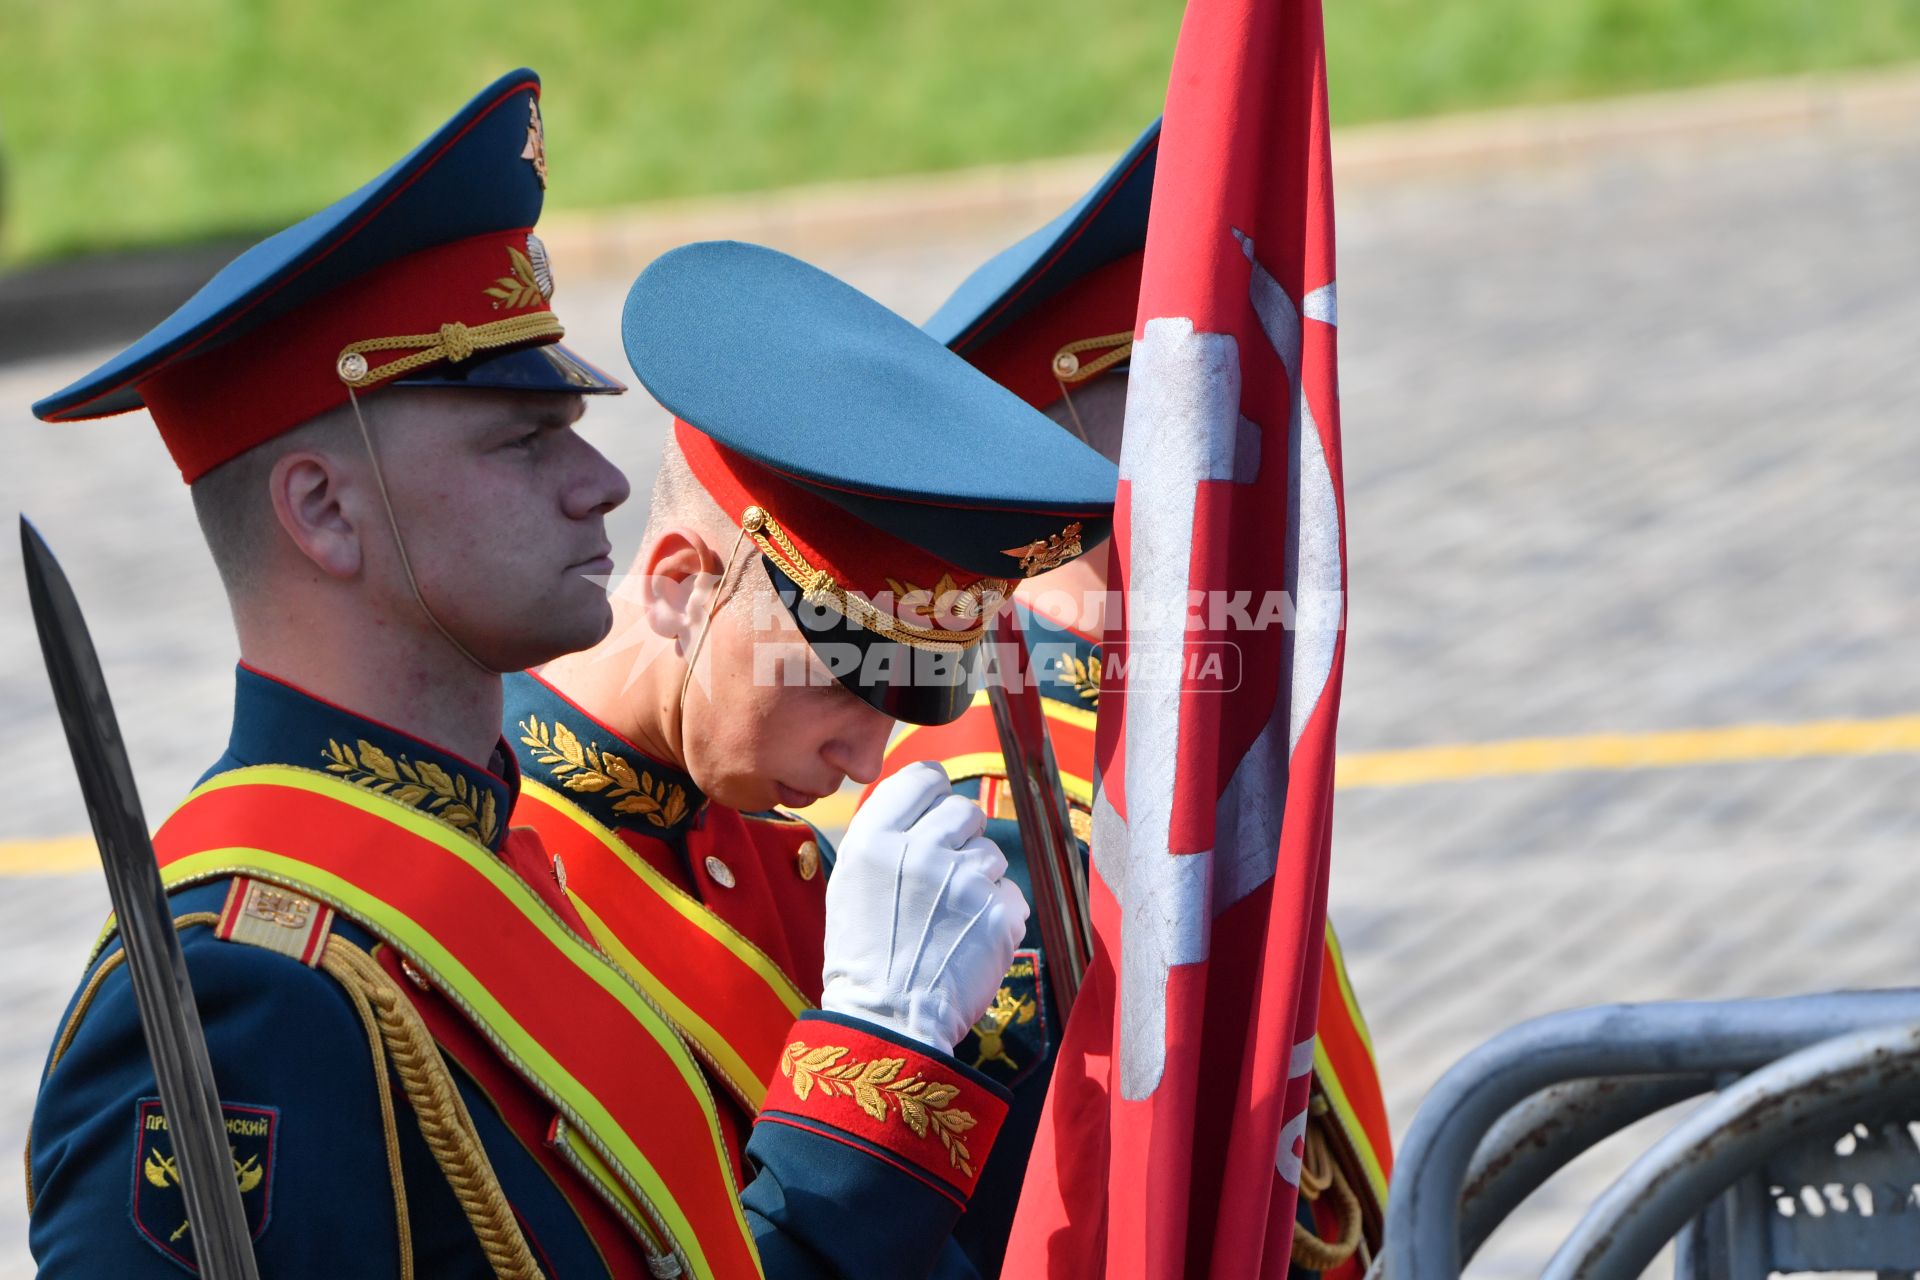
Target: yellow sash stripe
(1356, 1132)
(1079, 717)
(1339, 957)
(689, 907)
(579, 1153)
(976, 764)
(702, 1039)
(1329, 1079)
(452, 978)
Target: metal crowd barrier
(1801, 1159)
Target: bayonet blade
(168, 1015)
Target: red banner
(1173, 1135)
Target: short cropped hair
(680, 499)
(234, 509)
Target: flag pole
(1058, 872)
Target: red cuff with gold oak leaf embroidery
(895, 1099)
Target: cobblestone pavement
(1629, 446)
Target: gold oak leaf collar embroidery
(877, 1088)
(1083, 677)
(423, 785)
(585, 769)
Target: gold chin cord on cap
(699, 641)
(399, 543)
(1069, 369)
(979, 601)
(451, 342)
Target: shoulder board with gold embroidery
(266, 915)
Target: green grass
(127, 122)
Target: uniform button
(807, 859)
(560, 873)
(721, 873)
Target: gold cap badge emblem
(1048, 553)
(536, 148)
(529, 281)
(542, 265)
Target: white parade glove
(920, 924)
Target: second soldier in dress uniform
(425, 1065)
(837, 520)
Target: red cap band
(217, 405)
(860, 557)
(1020, 357)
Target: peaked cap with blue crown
(1058, 307)
(428, 275)
(895, 493)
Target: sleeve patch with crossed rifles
(159, 1202)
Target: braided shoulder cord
(377, 1044)
(437, 1105)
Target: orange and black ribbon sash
(635, 1112)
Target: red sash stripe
(726, 997)
(528, 1117)
(567, 1021)
(1349, 1074)
(969, 747)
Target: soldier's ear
(677, 576)
(308, 491)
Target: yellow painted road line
(48, 857)
(1666, 749)
(1460, 762)
(1618, 751)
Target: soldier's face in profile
(766, 722)
(503, 507)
